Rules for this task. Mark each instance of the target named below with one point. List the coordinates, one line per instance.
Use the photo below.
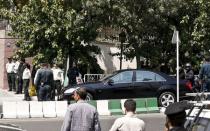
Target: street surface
(154, 122)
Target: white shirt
(17, 63)
(128, 123)
(26, 74)
(58, 74)
(10, 67)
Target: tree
(50, 29)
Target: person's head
(9, 59)
(130, 105)
(74, 64)
(207, 58)
(175, 114)
(27, 66)
(188, 66)
(80, 94)
(55, 65)
(44, 65)
(22, 60)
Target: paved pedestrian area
(6, 95)
(9, 96)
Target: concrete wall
(112, 63)
(2, 56)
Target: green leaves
(53, 29)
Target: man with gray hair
(81, 116)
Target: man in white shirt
(129, 122)
(10, 74)
(58, 81)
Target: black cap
(177, 108)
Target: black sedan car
(134, 83)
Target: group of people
(82, 116)
(18, 75)
(47, 81)
(203, 80)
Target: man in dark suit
(20, 70)
(44, 81)
(72, 74)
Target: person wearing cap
(175, 116)
(81, 116)
(129, 122)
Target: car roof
(158, 72)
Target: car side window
(123, 77)
(144, 76)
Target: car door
(147, 83)
(121, 86)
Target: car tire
(166, 98)
(89, 97)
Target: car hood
(88, 86)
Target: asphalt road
(154, 122)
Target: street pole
(175, 40)
(121, 52)
(177, 65)
(122, 37)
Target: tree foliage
(56, 29)
(53, 29)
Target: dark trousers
(20, 86)
(26, 87)
(16, 81)
(45, 93)
(11, 81)
(57, 85)
(206, 86)
(37, 93)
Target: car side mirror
(110, 82)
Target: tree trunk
(138, 61)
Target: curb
(51, 109)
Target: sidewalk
(6, 95)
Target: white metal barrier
(94, 77)
(9, 109)
(23, 109)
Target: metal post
(175, 40)
(122, 38)
(177, 65)
(121, 52)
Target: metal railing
(93, 77)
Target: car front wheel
(166, 98)
(89, 97)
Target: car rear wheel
(166, 98)
(89, 97)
